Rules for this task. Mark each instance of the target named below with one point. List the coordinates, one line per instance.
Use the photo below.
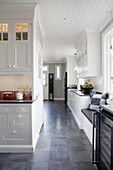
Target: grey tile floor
(61, 146)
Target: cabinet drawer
(3, 121)
(21, 109)
(6, 109)
(19, 121)
(15, 137)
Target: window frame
(106, 60)
(56, 66)
(22, 31)
(2, 32)
(45, 72)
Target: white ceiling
(18, 1)
(62, 35)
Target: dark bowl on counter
(87, 90)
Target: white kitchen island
(20, 125)
(77, 101)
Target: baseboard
(59, 99)
(45, 99)
(16, 149)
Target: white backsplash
(14, 82)
(97, 82)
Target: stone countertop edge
(78, 92)
(108, 108)
(17, 101)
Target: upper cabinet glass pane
(0, 27)
(5, 27)
(18, 27)
(25, 27)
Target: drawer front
(14, 137)
(19, 121)
(3, 121)
(21, 109)
(6, 109)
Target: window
(58, 72)
(111, 64)
(21, 31)
(107, 53)
(45, 70)
(4, 32)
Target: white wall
(37, 53)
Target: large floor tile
(14, 166)
(79, 156)
(37, 166)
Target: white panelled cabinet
(76, 102)
(16, 50)
(88, 56)
(20, 126)
(5, 46)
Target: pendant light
(110, 13)
(111, 47)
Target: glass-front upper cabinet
(21, 31)
(3, 31)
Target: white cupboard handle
(22, 109)
(14, 131)
(19, 116)
(5, 110)
(13, 66)
(9, 66)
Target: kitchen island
(20, 125)
(77, 101)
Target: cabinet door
(5, 46)
(22, 52)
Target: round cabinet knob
(5, 110)
(19, 116)
(14, 131)
(13, 66)
(9, 66)
(22, 109)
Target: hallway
(69, 148)
(62, 146)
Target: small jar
(19, 95)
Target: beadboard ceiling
(18, 1)
(65, 20)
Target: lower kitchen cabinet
(20, 125)
(76, 102)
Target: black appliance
(51, 86)
(65, 87)
(102, 155)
